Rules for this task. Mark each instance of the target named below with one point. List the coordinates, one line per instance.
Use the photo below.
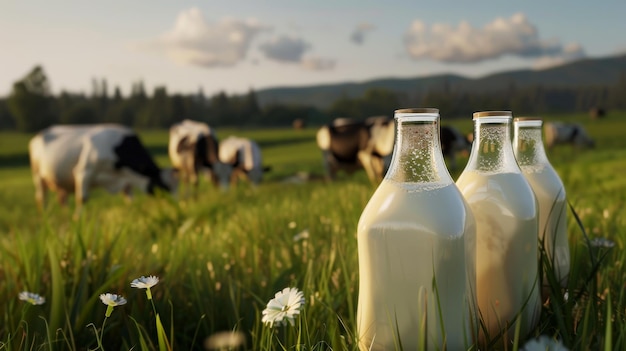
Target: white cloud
(195, 41)
(317, 63)
(285, 49)
(466, 44)
(358, 35)
(570, 53)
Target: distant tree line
(31, 106)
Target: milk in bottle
(416, 245)
(505, 210)
(548, 187)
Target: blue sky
(236, 45)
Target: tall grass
(221, 256)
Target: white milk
(405, 231)
(506, 227)
(550, 195)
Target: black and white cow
(192, 148)
(73, 158)
(240, 158)
(453, 142)
(557, 133)
(349, 145)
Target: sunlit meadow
(220, 258)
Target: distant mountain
(587, 72)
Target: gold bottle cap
(418, 110)
(520, 119)
(493, 114)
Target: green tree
(31, 103)
(178, 111)
(285, 115)
(120, 110)
(6, 120)
(249, 108)
(221, 110)
(345, 107)
(76, 109)
(617, 95)
(81, 112)
(376, 102)
(157, 112)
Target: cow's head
(169, 178)
(382, 134)
(581, 138)
(255, 175)
(222, 172)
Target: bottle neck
(417, 156)
(492, 150)
(528, 144)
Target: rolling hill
(586, 72)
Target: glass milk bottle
(505, 210)
(416, 244)
(545, 182)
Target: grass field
(221, 256)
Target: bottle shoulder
(440, 209)
(504, 190)
(545, 180)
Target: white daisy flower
(284, 307)
(112, 300)
(145, 283)
(602, 242)
(301, 236)
(544, 343)
(32, 298)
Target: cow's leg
(195, 176)
(194, 179)
(62, 197)
(214, 179)
(194, 182)
(329, 168)
(185, 183)
(191, 175)
(84, 173)
(378, 165)
(235, 175)
(83, 180)
(333, 169)
(366, 161)
(128, 193)
(40, 190)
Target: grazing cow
(349, 145)
(566, 133)
(452, 143)
(240, 158)
(193, 147)
(71, 158)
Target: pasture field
(221, 256)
